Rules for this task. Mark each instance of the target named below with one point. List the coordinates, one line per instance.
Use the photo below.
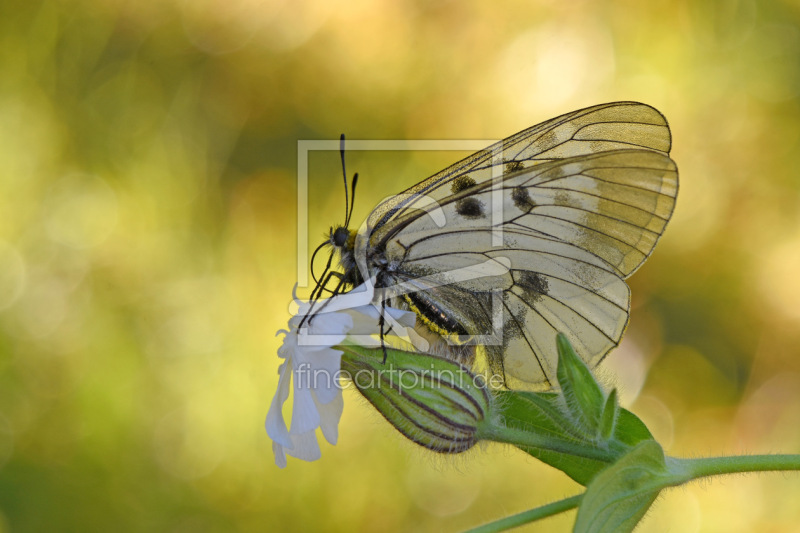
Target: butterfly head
(341, 238)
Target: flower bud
(432, 401)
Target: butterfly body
(532, 236)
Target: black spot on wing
(512, 166)
(462, 183)
(470, 208)
(522, 199)
(533, 285)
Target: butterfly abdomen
(436, 318)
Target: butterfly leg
(382, 324)
(316, 294)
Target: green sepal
(617, 499)
(583, 396)
(609, 417)
(629, 429)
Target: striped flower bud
(432, 401)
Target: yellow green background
(148, 249)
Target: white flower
(313, 365)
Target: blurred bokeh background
(148, 184)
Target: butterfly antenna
(352, 199)
(344, 175)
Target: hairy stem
(738, 464)
(531, 515)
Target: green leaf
(619, 496)
(582, 393)
(580, 414)
(630, 430)
(542, 413)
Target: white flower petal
(326, 395)
(373, 313)
(289, 345)
(320, 341)
(330, 414)
(275, 424)
(359, 296)
(325, 330)
(304, 446)
(324, 374)
(312, 366)
(331, 324)
(280, 457)
(305, 416)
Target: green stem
(531, 515)
(714, 466)
(532, 440)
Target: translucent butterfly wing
(614, 205)
(569, 231)
(550, 286)
(616, 125)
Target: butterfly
(531, 236)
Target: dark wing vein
(605, 198)
(525, 334)
(563, 304)
(589, 228)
